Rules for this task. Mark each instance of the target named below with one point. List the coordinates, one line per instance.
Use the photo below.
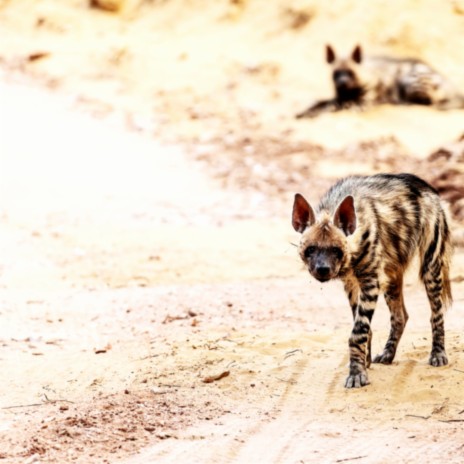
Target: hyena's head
(345, 75)
(323, 245)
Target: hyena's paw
(438, 359)
(384, 358)
(357, 380)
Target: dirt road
(152, 305)
(129, 278)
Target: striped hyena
(375, 80)
(365, 232)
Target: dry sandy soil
(152, 305)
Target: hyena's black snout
(322, 273)
(322, 268)
(344, 79)
(343, 82)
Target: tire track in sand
(272, 432)
(309, 417)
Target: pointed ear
(345, 216)
(329, 54)
(302, 215)
(356, 55)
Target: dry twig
(350, 459)
(33, 405)
(213, 378)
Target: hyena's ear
(356, 55)
(329, 54)
(345, 216)
(302, 215)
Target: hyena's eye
(309, 251)
(337, 252)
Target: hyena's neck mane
(352, 95)
(332, 199)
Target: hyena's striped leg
(434, 285)
(398, 319)
(351, 287)
(352, 292)
(361, 334)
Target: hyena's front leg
(398, 318)
(323, 106)
(352, 292)
(360, 339)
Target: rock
(108, 5)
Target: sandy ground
(152, 305)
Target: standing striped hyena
(376, 80)
(366, 231)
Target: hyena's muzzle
(344, 79)
(323, 263)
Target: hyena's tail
(435, 263)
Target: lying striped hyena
(365, 232)
(375, 80)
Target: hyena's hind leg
(433, 281)
(435, 275)
(398, 318)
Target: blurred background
(149, 155)
(225, 78)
